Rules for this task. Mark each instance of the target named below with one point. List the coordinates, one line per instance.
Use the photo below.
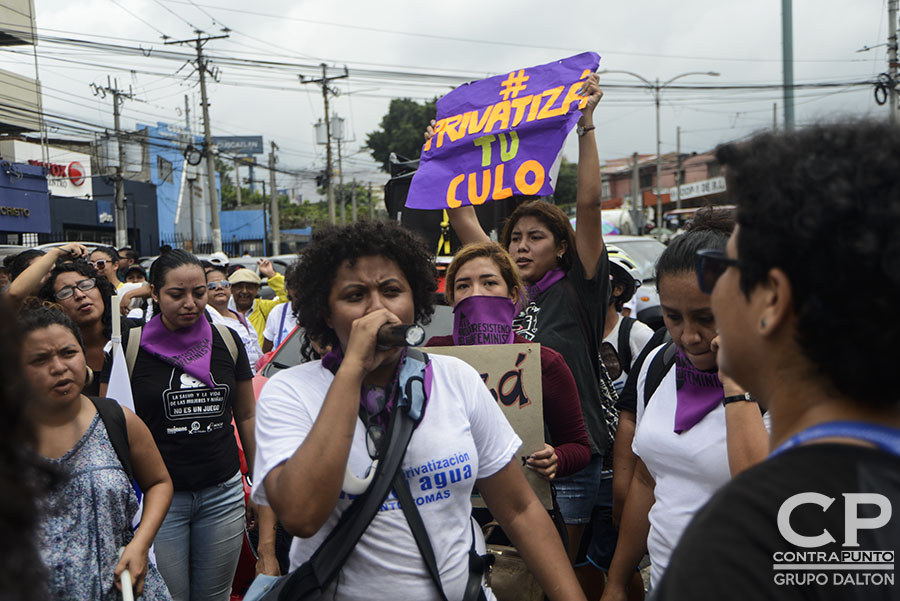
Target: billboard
(239, 144)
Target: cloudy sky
(421, 49)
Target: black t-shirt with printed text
(736, 549)
(551, 320)
(191, 422)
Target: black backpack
(660, 365)
(624, 348)
(114, 419)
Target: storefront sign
(68, 173)
(715, 185)
(24, 202)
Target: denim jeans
(199, 542)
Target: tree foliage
(401, 130)
(566, 183)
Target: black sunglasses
(711, 264)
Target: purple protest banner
(499, 136)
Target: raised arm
(589, 225)
(463, 220)
(29, 281)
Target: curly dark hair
(23, 475)
(83, 267)
(553, 218)
(823, 205)
(314, 274)
(709, 229)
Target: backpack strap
(478, 564)
(132, 347)
(114, 419)
(228, 339)
(660, 365)
(319, 571)
(625, 343)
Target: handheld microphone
(404, 334)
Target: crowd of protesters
(693, 445)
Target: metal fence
(232, 248)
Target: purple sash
(699, 392)
(189, 349)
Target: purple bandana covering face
(483, 320)
(699, 392)
(189, 349)
(500, 136)
(542, 285)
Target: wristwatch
(583, 130)
(736, 398)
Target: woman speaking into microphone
(327, 429)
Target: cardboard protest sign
(499, 136)
(512, 372)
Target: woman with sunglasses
(691, 435)
(318, 420)
(218, 294)
(485, 289)
(818, 217)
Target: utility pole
(774, 116)
(273, 211)
(635, 193)
(892, 60)
(678, 170)
(237, 179)
(119, 97)
(353, 200)
(341, 185)
(787, 60)
(371, 204)
(328, 161)
(202, 66)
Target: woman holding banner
(567, 279)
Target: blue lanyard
(281, 325)
(884, 437)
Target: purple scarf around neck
(189, 349)
(699, 392)
(483, 320)
(377, 401)
(551, 277)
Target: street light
(657, 89)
